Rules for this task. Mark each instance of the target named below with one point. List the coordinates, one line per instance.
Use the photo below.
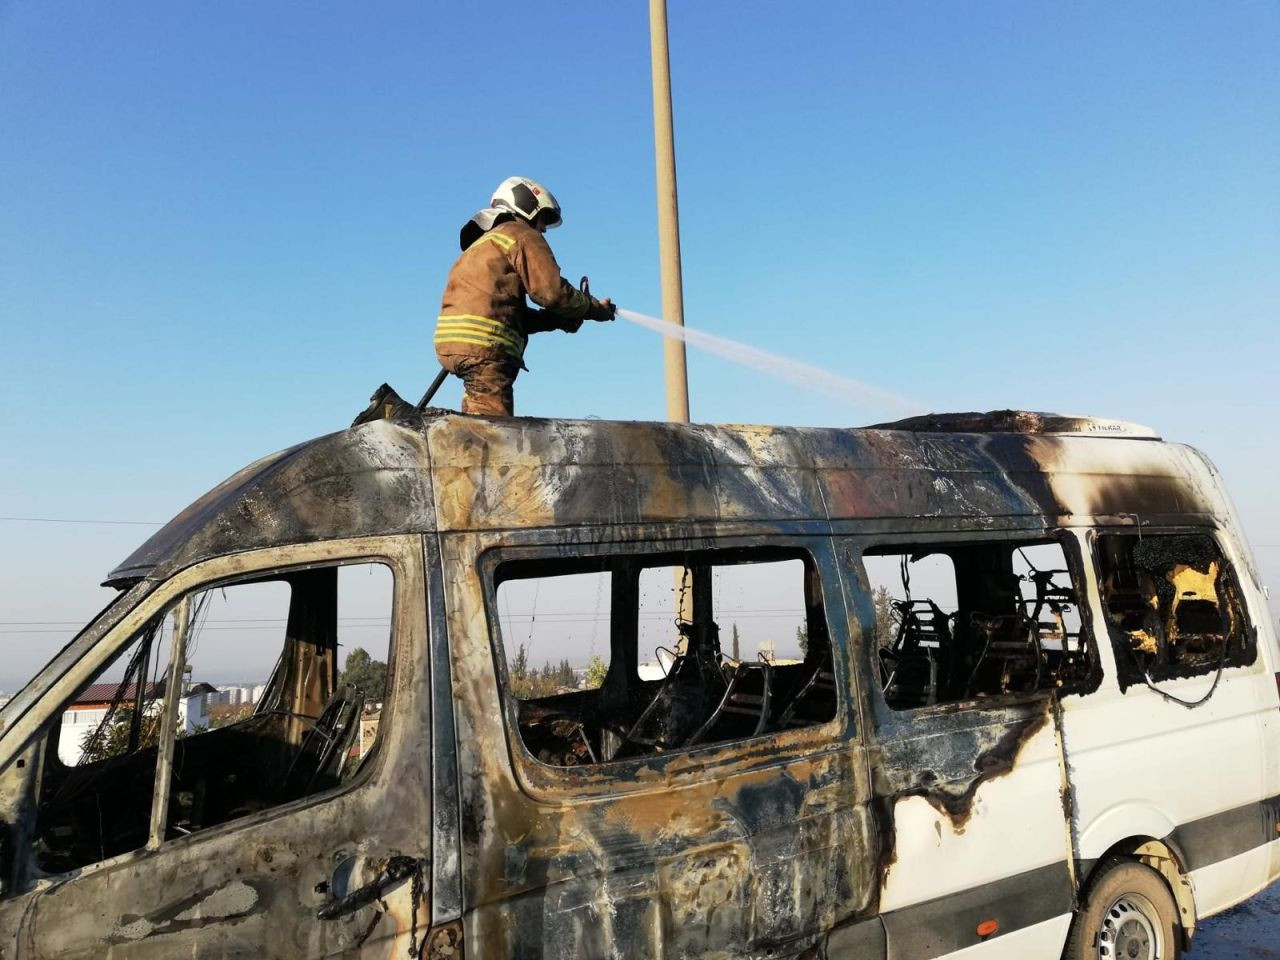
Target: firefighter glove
(601, 309)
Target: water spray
(805, 375)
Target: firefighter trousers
(487, 384)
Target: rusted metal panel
(497, 473)
(362, 482)
(743, 849)
(255, 885)
(446, 843)
(494, 474)
(957, 755)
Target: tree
(367, 675)
(517, 672)
(886, 617)
(519, 666)
(231, 715)
(596, 670)
(802, 638)
(111, 738)
(528, 682)
(565, 677)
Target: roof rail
(1020, 421)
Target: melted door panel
(249, 893)
(757, 863)
(755, 848)
(968, 784)
(252, 886)
(974, 805)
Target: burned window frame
(1085, 681)
(1132, 670)
(395, 554)
(818, 555)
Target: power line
(559, 615)
(659, 616)
(76, 623)
(122, 523)
(345, 626)
(29, 627)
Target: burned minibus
(992, 685)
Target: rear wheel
(1128, 914)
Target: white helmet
(527, 198)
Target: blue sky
(223, 225)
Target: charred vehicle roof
(437, 470)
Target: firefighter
(484, 322)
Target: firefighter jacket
(483, 313)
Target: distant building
(649, 670)
(236, 695)
(369, 729)
(87, 711)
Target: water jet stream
(794, 372)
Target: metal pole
(664, 150)
(668, 214)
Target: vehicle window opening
(262, 714)
(753, 656)
(967, 621)
(1173, 607)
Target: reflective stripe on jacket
(483, 312)
(468, 328)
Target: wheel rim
(1131, 930)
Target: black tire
(1128, 914)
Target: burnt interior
(1173, 605)
(704, 695)
(987, 623)
(297, 742)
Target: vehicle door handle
(398, 868)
